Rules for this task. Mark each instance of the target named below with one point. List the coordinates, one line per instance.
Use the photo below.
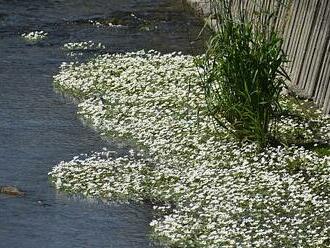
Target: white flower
(216, 192)
(35, 35)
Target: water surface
(38, 128)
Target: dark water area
(38, 128)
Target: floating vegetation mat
(208, 190)
(34, 36)
(83, 45)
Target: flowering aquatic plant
(208, 190)
(84, 45)
(34, 36)
(104, 24)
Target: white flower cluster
(103, 176)
(84, 45)
(106, 24)
(35, 35)
(95, 23)
(209, 190)
(304, 123)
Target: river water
(38, 128)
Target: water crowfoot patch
(102, 176)
(208, 190)
(83, 45)
(105, 24)
(34, 36)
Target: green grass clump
(243, 75)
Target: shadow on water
(38, 128)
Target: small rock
(11, 190)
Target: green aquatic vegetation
(322, 151)
(208, 190)
(302, 123)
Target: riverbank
(208, 190)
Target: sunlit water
(38, 128)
